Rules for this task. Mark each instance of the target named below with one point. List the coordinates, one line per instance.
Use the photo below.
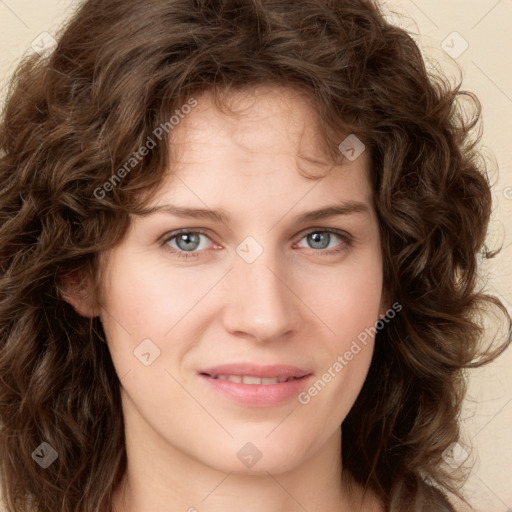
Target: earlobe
(77, 293)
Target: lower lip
(258, 395)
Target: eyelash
(344, 245)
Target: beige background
(486, 27)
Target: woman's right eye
(186, 244)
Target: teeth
(248, 379)
(254, 380)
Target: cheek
(349, 305)
(145, 301)
(148, 300)
(348, 300)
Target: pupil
(320, 239)
(185, 239)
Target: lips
(246, 370)
(253, 385)
(252, 380)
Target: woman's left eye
(320, 239)
(186, 244)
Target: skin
(295, 304)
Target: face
(232, 310)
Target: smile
(252, 385)
(248, 379)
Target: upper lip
(253, 370)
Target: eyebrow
(220, 215)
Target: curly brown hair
(73, 118)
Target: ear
(78, 292)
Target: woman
(238, 262)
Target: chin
(260, 456)
(274, 465)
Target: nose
(260, 302)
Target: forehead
(263, 119)
(264, 141)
